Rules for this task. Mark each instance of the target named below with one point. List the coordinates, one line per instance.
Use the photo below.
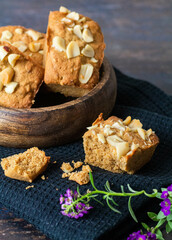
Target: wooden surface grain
(138, 37)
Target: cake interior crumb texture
(119, 146)
(25, 166)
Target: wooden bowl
(60, 124)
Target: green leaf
(98, 201)
(108, 186)
(160, 215)
(159, 235)
(152, 216)
(122, 189)
(92, 180)
(169, 217)
(163, 189)
(111, 199)
(145, 226)
(131, 210)
(78, 190)
(170, 224)
(130, 189)
(158, 195)
(168, 228)
(161, 221)
(112, 208)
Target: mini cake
(74, 52)
(119, 146)
(25, 166)
(20, 78)
(28, 41)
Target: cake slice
(25, 166)
(28, 41)
(74, 51)
(20, 78)
(119, 146)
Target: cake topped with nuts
(119, 146)
(74, 52)
(28, 41)
(20, 78)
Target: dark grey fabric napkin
(40, 205)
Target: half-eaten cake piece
(25, 166)
(119, 146)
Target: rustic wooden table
(138, 37)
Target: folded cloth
(40, 205)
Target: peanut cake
(25, 166)
(74, 52)
(28, 41)
(20, 78)
(119, 146)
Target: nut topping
(41, 52)
(141, 132)
(121, 147)
(94, 60)
(149, 132)
(101, 138)
(77, 31)
(34, 47)
(64, 10)
(6, 75)
(135, 123)
(12, 58)
(72, 50)
(6, 35)
(22, 47)
(88, 51)
(19, 30)
(82, 19)
(87, 35)
(66, 20)
(10, 87)
(86, 72)
(34, 35)
(3, 53)
(59, 44)
(127, 120)
(73, 15)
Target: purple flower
(61, 198)
(164, 194)
(72, 207)
(166, 204)
(139, 236)
(134, 235)
(165, 211)
(151, 236)
(169, 188)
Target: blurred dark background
(138, 34)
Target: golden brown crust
(119, 146)
(27, 75)
(59, 70)
(37, 56)
(25, 166)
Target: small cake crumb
(81, 177)
(77, 164)
(31, 186)
(43, 177)
(64, 175)
(55, 162)
(66, 167)
(86, 168)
